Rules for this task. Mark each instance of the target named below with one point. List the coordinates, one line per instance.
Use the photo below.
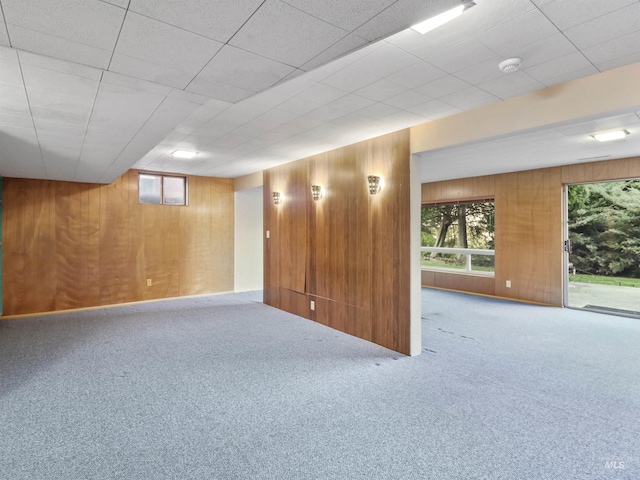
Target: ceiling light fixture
(608, 136)
(435, 22)
(183, 154)
(510, 65)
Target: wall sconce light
(375, 184)
(317, 192)
(277, 198)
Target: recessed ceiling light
(435, 22)
(608, 136)
(183, 154)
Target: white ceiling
(91, 88)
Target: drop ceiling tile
(381, 90)
(192, 97)
(79, 119)
(352, 102)
(161, 74)
(619, 47)
(618, 62)
(123, 109)
(65, 129)
(461, 56)
(469, 98)
(321, 93)
(241, 113)
(404, 119)
(299, 105)
(346, 15)
(429, 44)
(271, 31)
(58, 82)
(546, 49)
(511, 84)
(84, 21)
(378, 110)
(489, 14)
(386, 60)
(295, 74)
(8, 53)
(443, 86)
(351, 79)
(346, 44)
(216, 20)
(10, 73)
(62, 66)
(4, 36)
(481, 72)
(406, 100)
(114, 78)
(569, 14)
(558, 66)
(170, 113)
(618, 121)
(433, 109)
(13, 100)
(567, 77)
(16, 121)
(167, 54)
(507, 38)
(59, 102)
(272, 119)
(402, 14)
(244, 71)
(118, 3)
(299, 125)
(607, 27)
(416, 75)
(219, 91)
(61, 48)
(329, 112)
(192, 123)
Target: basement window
(162, 189)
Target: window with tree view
(459, 236)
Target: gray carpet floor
(225, 387)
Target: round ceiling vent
(510, 65)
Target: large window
(162, 189)
(459, 237)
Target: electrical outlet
(508, 283)
(313, 306)
(148, 282)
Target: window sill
(473, 273)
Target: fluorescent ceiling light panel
(435, 22)
(607, 137)
(183, 154)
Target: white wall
(248, 240)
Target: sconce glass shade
(277, 198)
(374, 184)
(317, 192)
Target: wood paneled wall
(71, 245)
(349, 251)
(529, 216)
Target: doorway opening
(602, 247)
